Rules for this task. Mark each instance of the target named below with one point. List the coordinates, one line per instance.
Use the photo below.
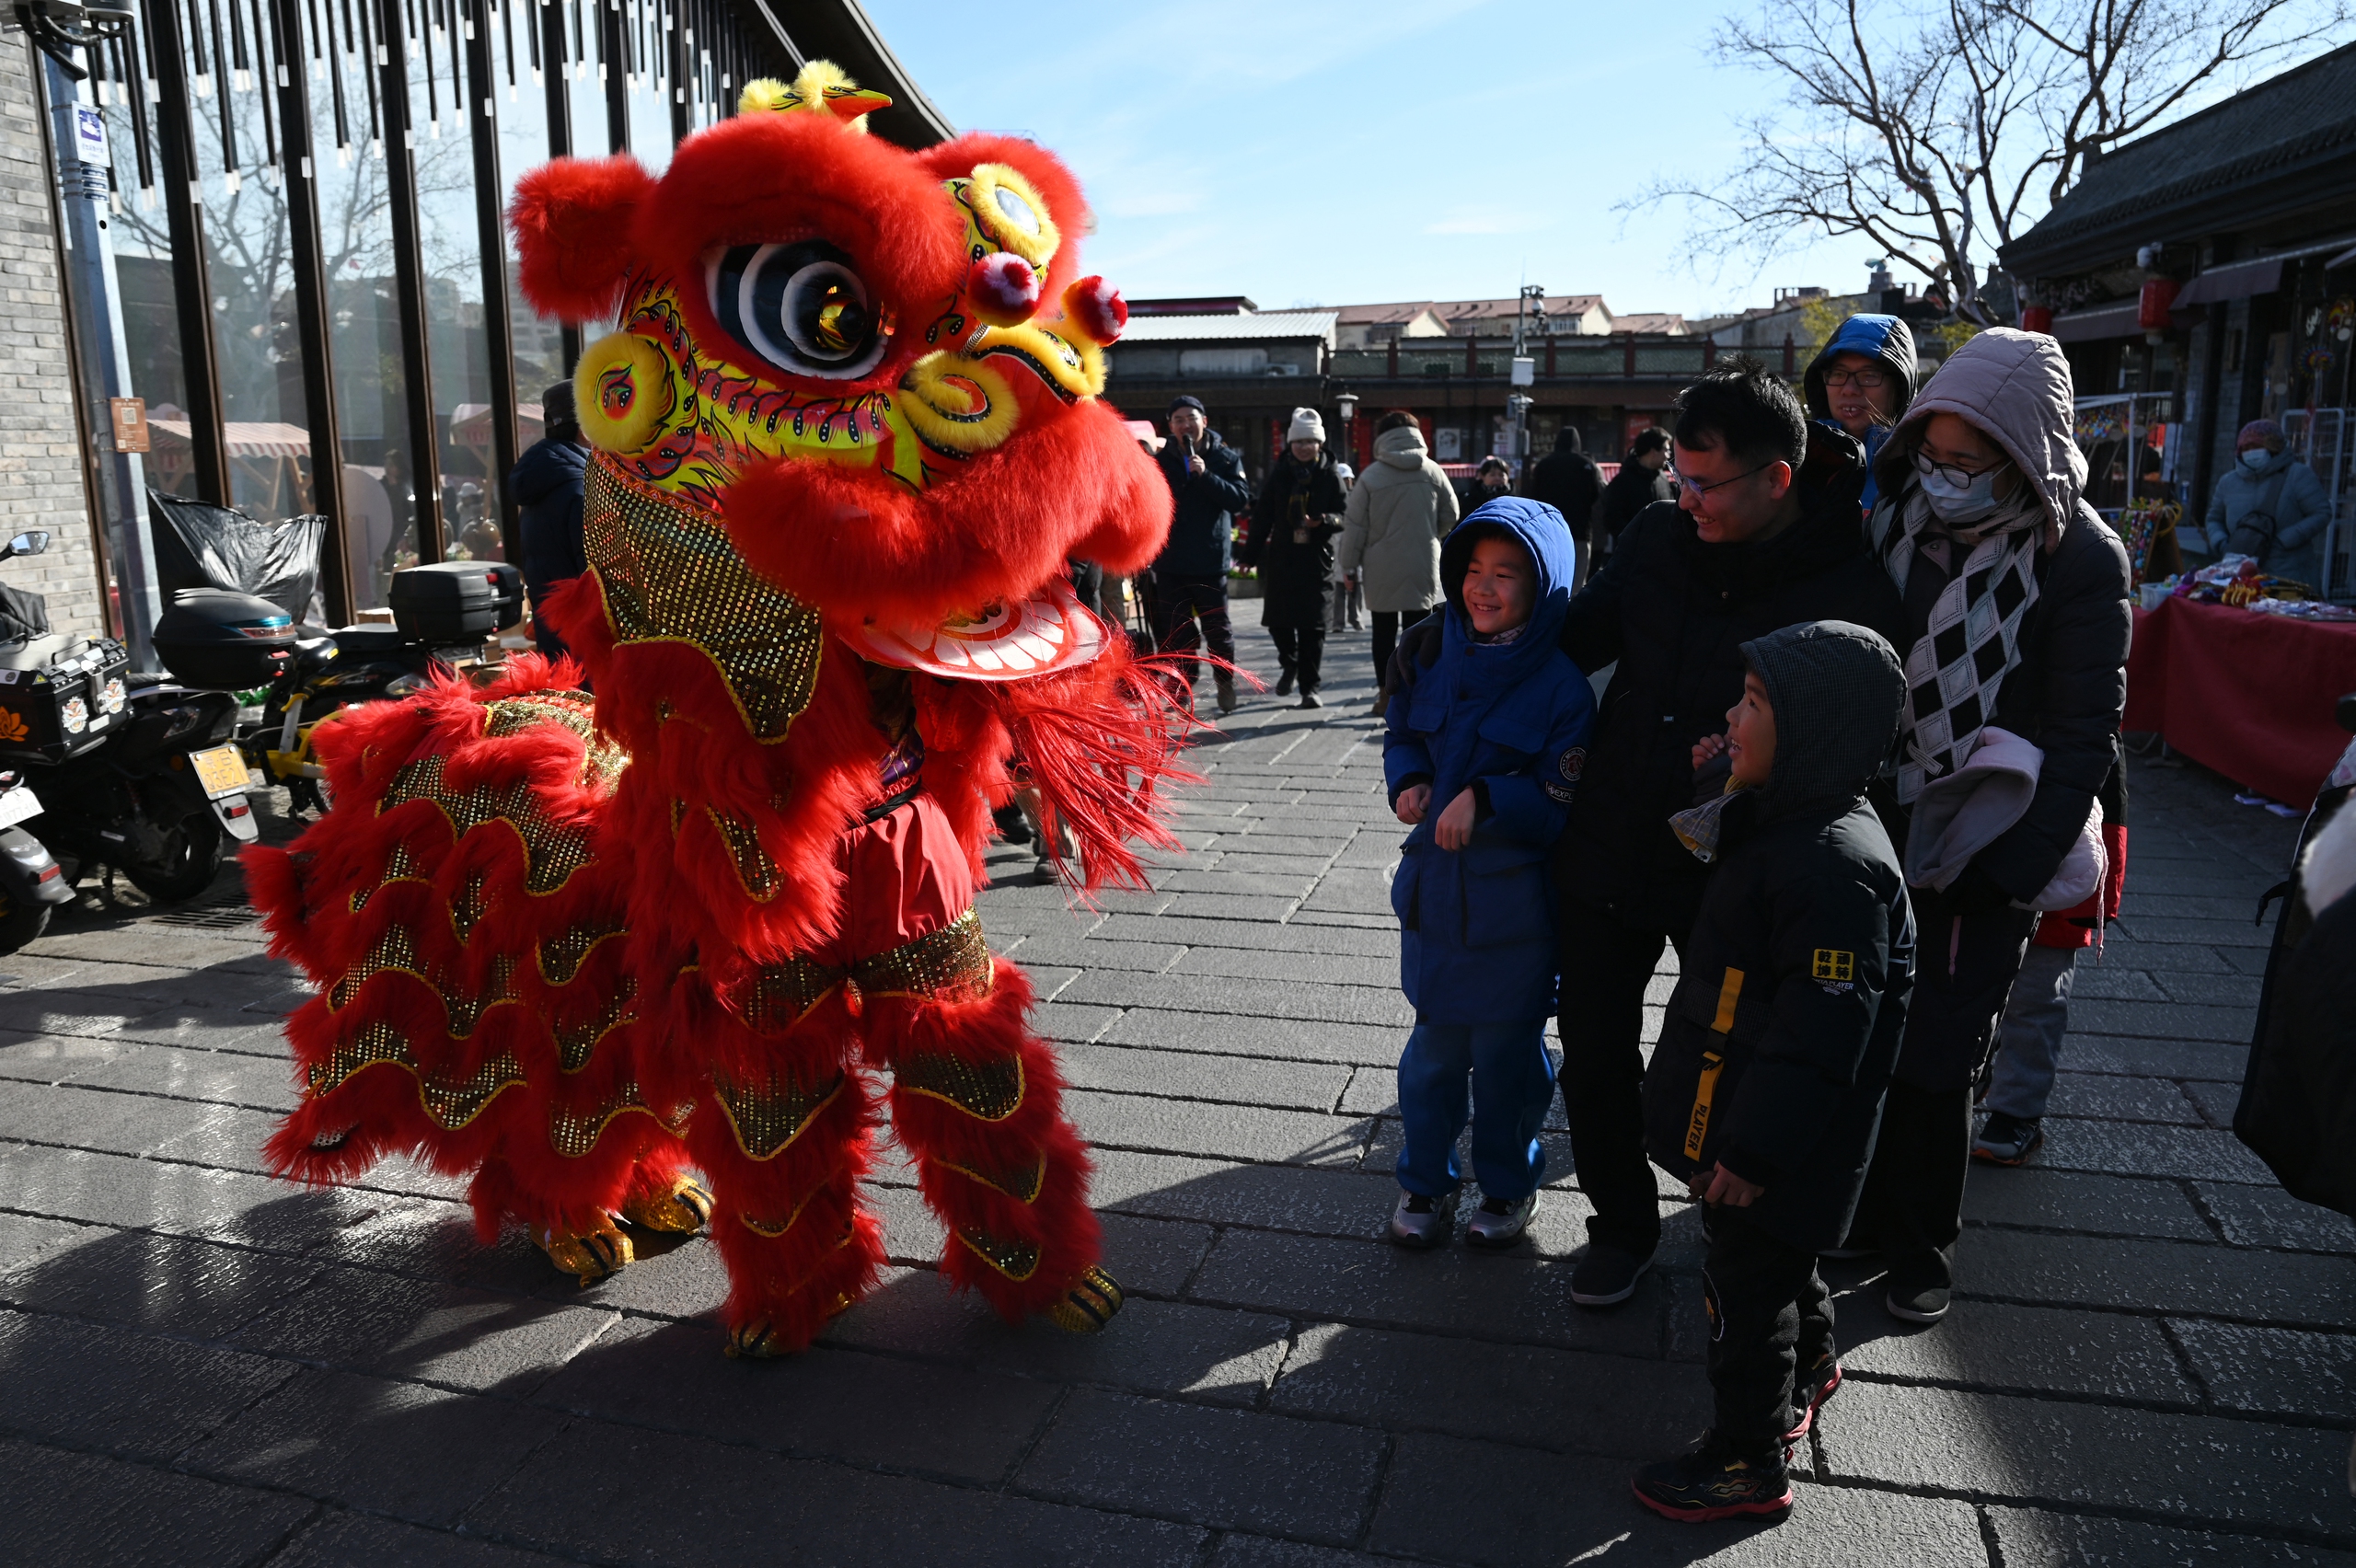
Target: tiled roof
(1229, 329)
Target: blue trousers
(1512, 1083)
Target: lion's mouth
(1013, 641)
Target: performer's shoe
(1090, 1306)
(683, 1209)
(591, 1255)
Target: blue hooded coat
(1884, 339)
(1510, 721)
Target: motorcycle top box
(210, 636)
(457, 602)
(60, 696)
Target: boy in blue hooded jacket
(1483, 755)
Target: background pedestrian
(1392, 528)
(1291, 544)
(548, 483)
(1567, 479)
(2270, 505)
(1189, 587)
(1643, 480)
(1862, 380)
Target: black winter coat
(1293, 526)
(548, 483)
(1778, 1040)
(1203, 524)
(1675, 612)
(1633, 489)
(1568, 480)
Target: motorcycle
(104, 768)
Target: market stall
(2250, 694)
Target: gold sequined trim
(562, 955)
(956, 957)
(574, 1134)
(767, 1119)
(990, 1091)
(761, 1227)
(552, 853)
(671, 575)
(1023, 1183)
(576, 1042)
(756, 872)
(451, 1102)
(395, 952)
(781, 994)
(1018, 1260)
(575, 710)
(400, 866)
(467, 909)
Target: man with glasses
(1863, 381)
(1763, 533)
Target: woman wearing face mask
(2270, 505)
(2016, 610)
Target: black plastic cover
(201, 546)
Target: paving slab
(68, 1510)
(2159, 1277)
(2072, 1200)
(2107, 1355)
(2266, 1371)
(1298, 1086)
(2033, 1538)
(2269, 1217)
(108, 1390)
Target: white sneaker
(1497, 1224)
(1422, 1223)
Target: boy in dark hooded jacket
(1766, 1087)
(1482, 754)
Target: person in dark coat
(1187, 597)
(1642, 479)
(1481, 754)
(546, 483)
(1862, 380)
(1764, 534)
(1291, 544)
(1778, 1042)
(2017, 617)
(1567, 479)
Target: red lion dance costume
(583, 947)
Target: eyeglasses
(1700, 490)
(1863, 380)
(1948, 473)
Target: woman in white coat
(1398, 512)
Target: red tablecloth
(2254, 697)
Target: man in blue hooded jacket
(1482, 756)
(1862, 382)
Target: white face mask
(1957, 504)
(2257, 458)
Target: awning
(2238, 279)
(2345, 259)
(248, 438)
(2123, 320)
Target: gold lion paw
(682, 1209)
(591, 1255)
(1090, 1306)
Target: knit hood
(1401, 448)
(1886, 340)
(1838, 698)
(2015, 388)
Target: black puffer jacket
(1784, 1024)
(1675, 612)
(1633, 489)
(1293, 526)
(1568, 480)
(1202, 524)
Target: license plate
(221, 771)
(17, 805)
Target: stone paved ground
(2150, 1362)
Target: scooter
(104, 768)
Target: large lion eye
(801, 306)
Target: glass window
(364, 300)
(524, 146)
(243, 191)
(646, 46)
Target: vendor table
(2252, 695)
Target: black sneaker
(1012, 825)
(1922, 1304)
(1284, 683)
(1607, 1276)
(1311, 699)
(2007, 1139)
(1811, 1388)
(1715, 1483)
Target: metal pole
(491, 226)
(311, 304)
(553, 48)
(191, 272)
(408, 280)
(613, 69)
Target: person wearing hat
(546, 483)
(1188, 595)
(2270, 506)
(1291, 544)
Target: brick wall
(41, 462)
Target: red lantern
(2036, 319)
(2159, 296)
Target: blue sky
(1321, 152)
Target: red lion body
(575, 946)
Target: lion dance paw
(1090, 1306)
(681, 1208)
(590, 1255)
